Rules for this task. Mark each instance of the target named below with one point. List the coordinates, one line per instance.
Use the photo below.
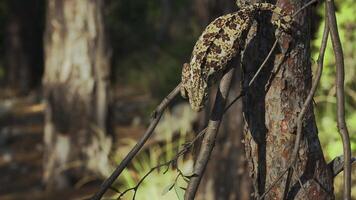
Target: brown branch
(210, 135)
(156, 116)
(188, 146)
(265, 61)
(337, 164)
(306, 104)
(340, 74)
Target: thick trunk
(76, 89)
(271, 109)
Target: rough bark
(226, 176)
(76, 90)
(271, 109)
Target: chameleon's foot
(283, 23)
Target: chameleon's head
(196, 89)
(198, 95)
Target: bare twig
(265, 61)
(276, 42)
(167, 164)
(337, 164)
(340, 74)
(303, 7)
(188, 146)
(209, 137)
(301, 114)
(156, 116)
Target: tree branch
(337, 164)
(210, 135)
(156, 116)
(340, 74)
(182, 152)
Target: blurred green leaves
(325, 98)
(151, 40)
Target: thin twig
(337, 164)
(340, 75)
(182, 152)
(265, 61)
(303, 7)
(186, 148)
(301, 114)
(156, 116)
(276, 42)
(209, 137)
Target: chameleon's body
(219, 43)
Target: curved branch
(337, 164)
(156, 116)
(340, 74)
(182, 152)
(210, 135)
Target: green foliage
(165, 183)
(157, 184)
(149, 45)
(325, 98)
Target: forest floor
(21, 145)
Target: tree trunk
(271, 108)
(226, 176)
(76, 90)
(23, 44)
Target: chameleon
(221, 40)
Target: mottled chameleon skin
(221, 40)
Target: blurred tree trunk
(165, 22)
(207, 10)
(76, 90)
(23, 44)
(271, 108)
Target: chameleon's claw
(183, 92)
(283, 23)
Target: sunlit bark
(76, 89)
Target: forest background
(148, 42)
